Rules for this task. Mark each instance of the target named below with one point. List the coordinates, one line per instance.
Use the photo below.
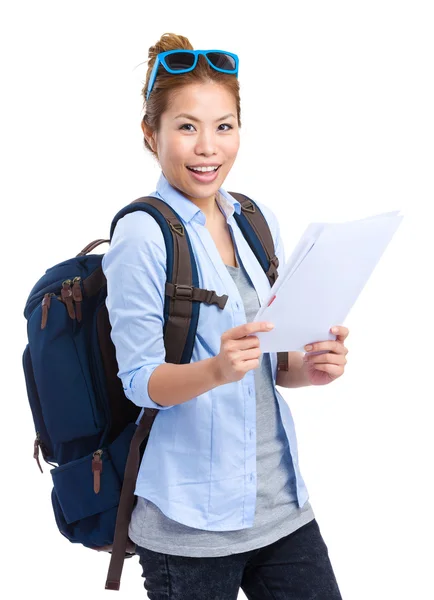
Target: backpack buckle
(272, 270)
(274, 261)
(177, 228)
(213, 298)
(182, 292)
(248, 207)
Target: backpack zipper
(66, 294)
(70, 294)
(77, 296)
(46, 302)
(40, 444)
(36, 450)
(97, 470)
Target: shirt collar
(186, 209)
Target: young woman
(221, 503)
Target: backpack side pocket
(87, 491)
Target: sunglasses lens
(222, 61)
(180, 60)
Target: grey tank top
(277, 513)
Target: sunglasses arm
(152, 77)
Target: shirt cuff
(137, 391)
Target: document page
(322, 280)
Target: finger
(250, 341)
(246, 329)
(258, 328)
(341, 332)
(247, 354)
(337, 347)
(333, 370)
(334, 359)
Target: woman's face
(199, 128)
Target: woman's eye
(185, 125)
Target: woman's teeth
(204, 174)
(203, 169)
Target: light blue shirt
(199, 465)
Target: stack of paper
(322, 279)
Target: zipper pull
(77, 296)
(46, 301)
(66, 294)
(36, 451)
(97, 470)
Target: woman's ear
(149, 136)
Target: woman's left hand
(330, 364)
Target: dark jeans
(296, 567)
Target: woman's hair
(166, 83)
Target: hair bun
(169, 41)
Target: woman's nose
(206, 143)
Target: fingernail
(335, 329)
(269, 325)
(307, 348)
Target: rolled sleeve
(135, 269)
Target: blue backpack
(86, 428)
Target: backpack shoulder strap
(182, 294)
(255, 229)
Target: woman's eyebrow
(186, 116)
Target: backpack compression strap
(126, 502)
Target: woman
(221, 503)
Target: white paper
(322, 280)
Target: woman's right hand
(239, 351)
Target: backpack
(86, 428)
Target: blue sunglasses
(183, 61)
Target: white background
(337, 124)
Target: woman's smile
(206, 176)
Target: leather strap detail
(91, 246)
(282, 361)
(77, 297)
(66, 295)
(126, 502)
(96, 470)
(130, 549)
(187, 292)
(46, 301)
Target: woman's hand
(325, 361)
